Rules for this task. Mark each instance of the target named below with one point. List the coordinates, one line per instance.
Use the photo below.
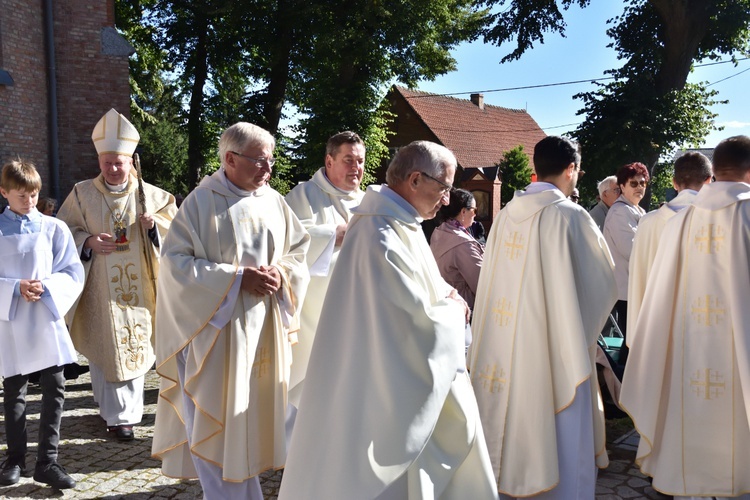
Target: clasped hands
(31, 290)
(104, 244)
(263, 280)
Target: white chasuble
(687, 381)
(385, 412)
(544, 293)
(33, 335)
(237, 375)
(645, 244)
(321, 208)
(112, 322)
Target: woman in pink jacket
(458, 254)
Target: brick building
(62, 66)
(478, 134)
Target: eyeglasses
(574, 198)
(615, 190)
(581, 172)
(473, 209)
(447, 188)
(635, 184)
(258, 161)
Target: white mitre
(115, 134)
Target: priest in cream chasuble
(687, 382)
(323, 205)
(691, 172)
(223, 349)
(544, 292)
(112, 323)
(387, 411)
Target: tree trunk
(196, 159)
(685, 25)
(279, 75)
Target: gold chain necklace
(119, 225)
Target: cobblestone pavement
(106, 468)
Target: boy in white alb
(41, 276)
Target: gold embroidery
(707, 312)
(709, 239)
(513, 245)
(710, 385)
(262, 361)
(127, 296)
(132, 338)
(493, 382)
(248, 222)
(502, 312)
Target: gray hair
(419, 156)
(605, 183)
(243, 135)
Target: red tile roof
(477, 137)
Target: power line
(557, 84)
(727, 78)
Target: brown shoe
(122, 432)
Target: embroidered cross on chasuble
(703, 334)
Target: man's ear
(415, 178)
(329, 161)
(229, 159)
(569, 170)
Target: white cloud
(734, 124)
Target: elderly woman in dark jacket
(458, 254)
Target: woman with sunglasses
(619, 230)
(458, 255)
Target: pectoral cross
(709, 385)
(705, 315)
(262, 360)
(513, 245)
(493, 382)
(502, 312)
(710, 240)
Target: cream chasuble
(385, 409)
(545, 290)
(645, 244)
(321, 208)
(237, 375)
(687, 382)
(113, 320)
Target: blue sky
(582, 55)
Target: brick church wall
(90, 81)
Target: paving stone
(105, 468)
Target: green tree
(516, 171)
(649, 109)
(155, 108)
(332, 60)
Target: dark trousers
(52, 382)
(621, 310)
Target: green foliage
(649, 108)
(516, 172)
(226, 61)
(661, 182)
(627, 122)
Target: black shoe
(54, 475)
(11, 472)
(123, 432)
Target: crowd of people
(323, 333)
